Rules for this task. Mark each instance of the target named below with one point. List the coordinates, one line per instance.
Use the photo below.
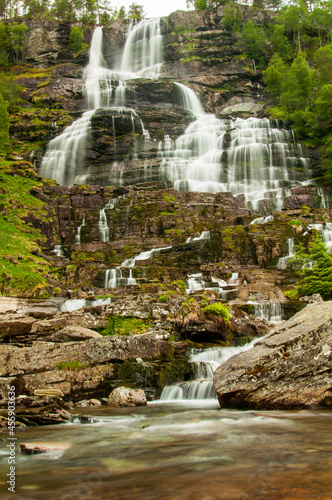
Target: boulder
(290, 368)
(70, 333)
(124, 396)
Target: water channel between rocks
(193, 451)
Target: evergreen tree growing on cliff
(317, 278)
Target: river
(178, 451)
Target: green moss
(70, 365)
(119, 325)
(217, 309)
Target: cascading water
(269, 310)
(206, 362)
(103, 226)
(283, 261)
(142, 57)
(115, 278)
(252, 157)
(79, 230)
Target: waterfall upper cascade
(206, 362)
(254, 158)
(105, 88)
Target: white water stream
(206, 362)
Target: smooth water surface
(193, 451)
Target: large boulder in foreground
(290, 368)
(124, 396)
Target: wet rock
(95, 402)
(288, 369)
(44, 447)
(124, 396)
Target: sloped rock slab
(290, 368)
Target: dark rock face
(289, 369)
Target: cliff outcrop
(290, 368)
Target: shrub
(218, 309)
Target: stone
(290, 368)
(95, 402)
(124, 396)
(43, 447)
(70, 333)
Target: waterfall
(78, 235)
(103, 226)
(205, 235)
(251, 157)
(283, 261)
(114, 277)
(269, 310)
(206, 362)
(66, 153)
(143, 51)
(263, 220)
(142, 57)
(190, 100)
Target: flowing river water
(179, 451)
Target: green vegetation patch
(119, 325)
(218, 309)
(71, 365)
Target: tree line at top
(88, 12)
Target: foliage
(12, 42)
(254, 38)
(70, 365)
(232, 17)
(318, 277)
(218, 309)
(119, 325)
(76, 38)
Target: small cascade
(283, 261)
(263, 220)
(196, 282)
(114, 277)
(58, 250)
(206, 362)
(75, 304)
(144, 256)
(104, 231)
(78, 235)
(269, 310)
(325, 232)
(190, 100)
(205, 235)
(234, 279)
